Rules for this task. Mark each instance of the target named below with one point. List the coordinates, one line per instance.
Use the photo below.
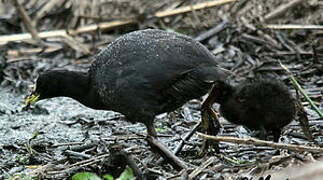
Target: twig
(257, 142)
(14, 60)
(26, 19)
(288, 53)
(78, 154)
(191, 8)
(204, 165)
(287, 43)
(76, 45)
(113, 24)
(212, 31)
(41, 170)
(46, 8)
(270, 40)
(20, 52)
(294, 26)
(282, 40)
(255, 39)
(159, 172)
(304, 122)
(282, 9)
(67, 144)
(165, 153)
(295, 83)
(186, 138)
(62, 33)
(183, 140)
(79, 164)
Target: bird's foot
(210, 124)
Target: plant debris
(59, 137)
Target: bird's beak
(32, 98)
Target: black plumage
(262, 104)
(141, 74)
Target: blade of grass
(298, 87)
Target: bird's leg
(210, 121)
(263, 133)
(151, 131)
(211, 124)
(161, 149)
(276, 134)
(213, 119)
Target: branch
(202, 167)
(26, 20)
(257, 142)
(113, 24)
(191, 8)
(282, 9)
(294, 26)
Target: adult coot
(141, 74)
(261, 104)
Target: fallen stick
(202, 167)
(257, 142)
(158, 147)
(63, 33)
(113, 24)
(26, 20)
(46, 8)
(76, 45)
(181, 144)
(282, 9)
(294, 26)
(80, 164)
(20, 52)
(191, 8)
(186, 138)
(211, 32)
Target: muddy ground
(58, 137)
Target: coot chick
(141, 74)
(261, 104)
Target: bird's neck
(78, 86)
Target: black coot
(141, 74)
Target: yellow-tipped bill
(31, 99)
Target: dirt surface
(59, 137)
